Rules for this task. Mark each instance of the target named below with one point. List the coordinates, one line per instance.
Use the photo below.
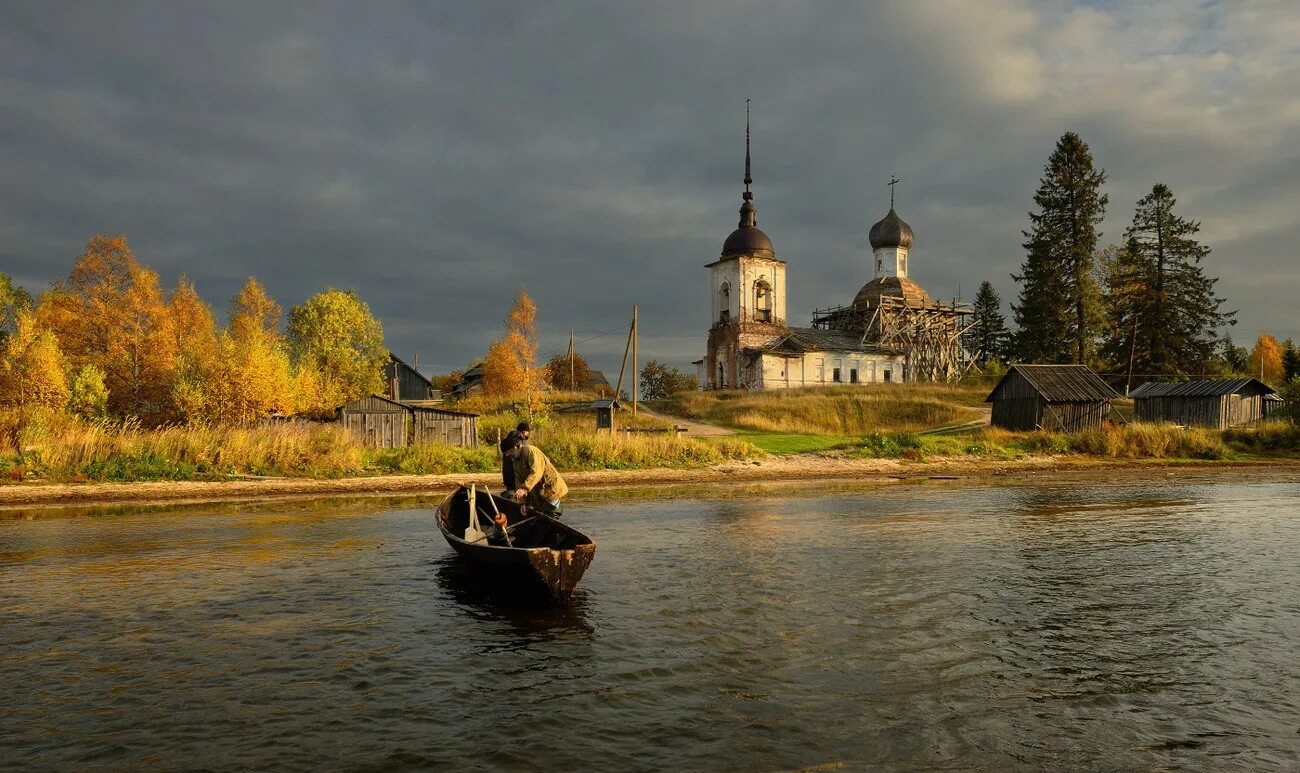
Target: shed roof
(605, 403)
(1202, 388)
(404, 364)
(431, 409)
(1060, 383)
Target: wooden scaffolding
(929, 336)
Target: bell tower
(747, 283)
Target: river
(1139, 623)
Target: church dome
(748, 240)
(912, 293)
(891, 232)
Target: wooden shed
(405, 382)
(382, 423)
(439, 425)
(377, 421)
(1057, 398)
(1275, 409)
(1217, 404)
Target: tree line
(1145, 305)
(108, 341)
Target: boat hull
(550, 555)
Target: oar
(501, 520)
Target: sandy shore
(775, 469)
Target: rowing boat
(535, 548)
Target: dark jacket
(507, 464)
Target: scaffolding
(929, 336)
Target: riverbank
(27, 496)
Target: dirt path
(693, 428)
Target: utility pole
(573, 386)
(631, 331)
(636, 376)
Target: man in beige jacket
(537, 483)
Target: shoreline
(24, 496)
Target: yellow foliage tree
(261, 380)
(110, 312)
(334, 335)
(1266, 358)
(510, 369)
(31, 367)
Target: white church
(750, 346)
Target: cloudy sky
(436, 157)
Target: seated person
(538, 484)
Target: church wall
(818, 369)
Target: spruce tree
(988, 335)
(1161, 297)
(1058, 311)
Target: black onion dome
(891, 232)
(747, 240)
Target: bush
(1273, 436)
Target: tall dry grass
(60, 446)
(833, 410)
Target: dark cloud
(438, 157)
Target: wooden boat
(542, 552)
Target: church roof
(898, 287)
(748, 240)
(891, 231)
(798, 340)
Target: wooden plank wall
(385, 429)
(435, 427)
(1216, 411)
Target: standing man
(507, 464)
(537, 483)
(524, 431)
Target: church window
(724, 302)
(762, 301)
(853, 375)
(888, 375)
(835, 375)
(880, 265)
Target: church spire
(748, 214)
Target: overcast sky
(436, 157)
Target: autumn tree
(510, 368)
(261, 379)
(1057, 314)
(1266, 359)
(558, 373)
(334, 334)
(445, 382)
(110, 312)
(988, 335)
(31, 367)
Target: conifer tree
(988, 336)
(1058, 311)
(1290, 360)
(1161, 301)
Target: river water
(1068, 624)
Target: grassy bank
(1126, 442)
(843, 411)
(56, 447)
